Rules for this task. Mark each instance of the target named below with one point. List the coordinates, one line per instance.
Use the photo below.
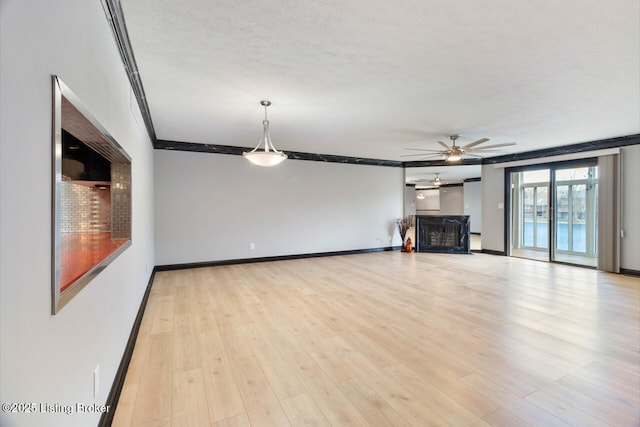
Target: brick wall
(121, 200)
(84, 209)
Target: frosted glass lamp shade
(265, 158)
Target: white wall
(409, 200)
(211, 207)
(430, 204)
(451, 200)
(473, 204)
(45, 358)
(630, 244)
(492, 208)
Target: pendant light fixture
(267, 156)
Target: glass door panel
(542, 217)
(528, 230)
(578, 219)
(562, 217)
(575, 231)
(535, 214)
(530, 214)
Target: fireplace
(449, 234)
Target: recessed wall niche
(91, 219)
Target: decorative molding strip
(329, 158)
(492, 252)
(115, 16)
(118, 381)
(535, 154)
(629, 272)
(162, 144)
(294, 155)
(566, 149)
(456, 184)
(169, 267)
(426, 163)
(478, 179)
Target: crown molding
(115, 16)
(292, 155)
(330, 158)
(582, 147)
(428, 163)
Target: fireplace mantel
(438, 233)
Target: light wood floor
(387, 339)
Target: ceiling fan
(436, 182)
(453, 153)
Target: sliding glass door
(554, 213)
(575, 217)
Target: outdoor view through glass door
(530, 210)
(554, 214)
(576, 219)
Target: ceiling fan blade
(474, 143)
(487, 147)
(444, 145)
(420, 154)
(423, 149)
(426, 156)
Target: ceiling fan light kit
(268, 155)
(454, 156)
(453, 153)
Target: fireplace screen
(446, 235)
(442, 234)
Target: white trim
(559, 158)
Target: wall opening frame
(91, 197)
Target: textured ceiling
(371, 78)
